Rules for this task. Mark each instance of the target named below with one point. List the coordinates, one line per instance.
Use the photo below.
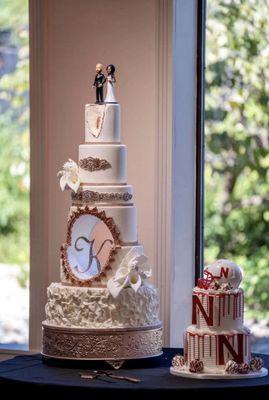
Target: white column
(184, 154)
(163, 159)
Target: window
(14, 173)
(237, 143)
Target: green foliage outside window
(237, 142)
(14, 133)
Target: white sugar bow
(69, 176)
(133, 270)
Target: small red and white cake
(217, 343)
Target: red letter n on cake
(236, 356)
(224, 272)
(197, 305)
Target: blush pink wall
(153, 44)
(80, 33)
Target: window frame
(188, 155)
(200, 139)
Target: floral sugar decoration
(226, 286)
(243, 368)
(133, 270)
(215, 285)
(231, 367)
(256, 364)
(178, 361)
(69, 176)
(196, 366)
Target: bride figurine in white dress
(110, 95)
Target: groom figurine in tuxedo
(98, 83)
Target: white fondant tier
(215, 349)
(114, 265)
(93, 308)
(106, 195)
(102, 123)
(103, 164)
(125, 218)
(217, 310)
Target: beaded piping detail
(90, 196)
(92, 164)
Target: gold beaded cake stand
(114, 345)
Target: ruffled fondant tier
(71, 306)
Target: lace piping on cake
(102, 143)
(90, 196)
(92, 164)
(102, 184)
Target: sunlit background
(14, 173)
(237, 149)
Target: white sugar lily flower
(69, 176)
(133, 270)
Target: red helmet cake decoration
(222, 272)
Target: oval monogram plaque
(90, 246)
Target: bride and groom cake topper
(99, 82)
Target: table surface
(63, 378)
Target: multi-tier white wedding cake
(217, 344)
(103, 308)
